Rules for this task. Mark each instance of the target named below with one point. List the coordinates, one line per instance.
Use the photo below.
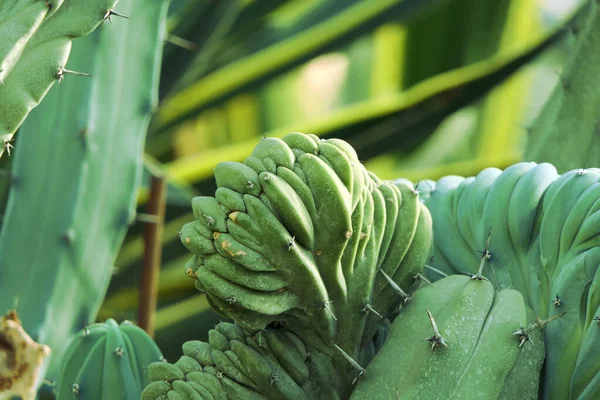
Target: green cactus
(573, 108)
(545, 243)
(76, 172)
(477, 342)
(273, 363)
(36, 42)
(107, 361)
(297, 234)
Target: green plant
(107, 361)
(477, 349)
(544, 244)
(297, 234)
(36, 44)
(71, 151)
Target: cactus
(107, 361)
(22, 361)
(573, 108)
(77, 169)
(477, 346)
(273, 363)
(544, 244)
(297, 234)
(36, 42)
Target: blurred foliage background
(421, 88)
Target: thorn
(580, 172)
(68, 237)
(486, 255)
(421, 278)
(274, 378)
(523, 334)
(325, 305)
(397, 289)
(368, 308)
(62, 71)
(436, 339)
(231, 300)
(7, 146)
(119, 351)
(75, 388)
(557, 302)
(361, 370)
(597, 319)
(110, 13)
(414, 189)
(290, 243)
(437, 271)
(48, 383)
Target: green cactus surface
(545, 243)
(36, 41)
(477, 346)
(76, 171)
(273, 363)
(300, 234)
(107, 361)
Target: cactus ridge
(545, 244)
(107, 360)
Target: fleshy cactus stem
(574, 107)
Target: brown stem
(153, 233)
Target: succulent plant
(478, 346)
(544, 243)
(297, 234)
(36, 42)
(273, 363)
(107, 361)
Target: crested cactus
(107, 361)
(36, 42)
(271, 364)
(477, 346)
(545, 244)
(298, 235)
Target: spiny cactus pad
(107, 361)
(545, 243)
(298, 234)
(36, 41)
(458, 339)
